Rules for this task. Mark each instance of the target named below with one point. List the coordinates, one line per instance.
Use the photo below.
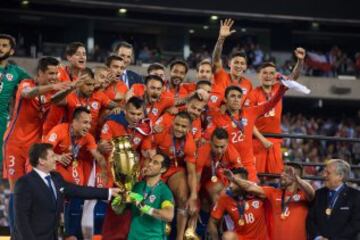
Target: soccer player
(152, 92)
(75, 54)
(25, 128)
(178, 71)
(204, 71)
(177, 142)
(153, 201)
(237, 63)
(126, 51)
(117, 88)
(239, 123)
(84, 95)
(267, 151)
(288, 204)
(194, 106)
(10, 76)
(157, 69)
(246, 212)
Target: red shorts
(268, 160)
(171, 171)
(16, 160)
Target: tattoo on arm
(31, 93)
(218, 51)
(58, 97)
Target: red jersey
(254, 227)
(181, 92)
(179, 151)
(60, 138)
(167, 119)
(153, 111)
(25, 126)
(97, 101)
(222, 80)
(206, 163)
(269, 122)
(116, 91)
(64, 74)
(240, 129)
(297, 208)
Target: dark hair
(265, 65)
(179, 62)
(136, 102)
(88, 71)
(184, 115)
(45, 62)
(238, 54)
(71, 48)
(112, 58)
(123, 44)
(155, 66)
(38, 150)
(153, 77)
(10, 38)
(166, 160)
(203, 82)
(203, 62)
(241, 171)
(220, 133)
(296, 166)
(232, 88)
(79, 110)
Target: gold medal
(328, 211)
(233, 125)
(214, 179)
(74, 163)
(241, 222)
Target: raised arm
(225, 31)
(40, 90)
(300, 54)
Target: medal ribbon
(284, 204)
(176, 151)
(333, 197)
(239, 123)
(241, 206)
(75, 148)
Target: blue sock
(11, 213)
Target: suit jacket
(344, 221)
(37, 215)
(133, 78)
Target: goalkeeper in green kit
(153, 204)
(10, 76)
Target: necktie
(48, 179)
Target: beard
(176, 81)
(4, 56)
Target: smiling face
(177, 74)
(195, 107)
(154, 167)
(154, 90)
(204, 72)
(267, 76)
(49, 76)
(126, 54)
(82, 124)
(237, 66)
(181, 126)
(78, 59)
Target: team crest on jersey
(105, 128)
(244, 121)
(137, 140)
(152, 198)
(247, 103)
(155, 111)
(53, 137)
(11, 171)
(194, 131)
(9, 77)
(255, 204)
(296, 197)
(95, 105)
(213, 98)
(244, 90)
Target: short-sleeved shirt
(254, 227)
(294, 224)
(269, 122)
(167, 119)
(153, 111)
(28, 116)
(10, 77)
(144, 226)
(230, 159)
(97, 101)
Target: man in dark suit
(335, 211)
(39, 196)
(126, 51)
